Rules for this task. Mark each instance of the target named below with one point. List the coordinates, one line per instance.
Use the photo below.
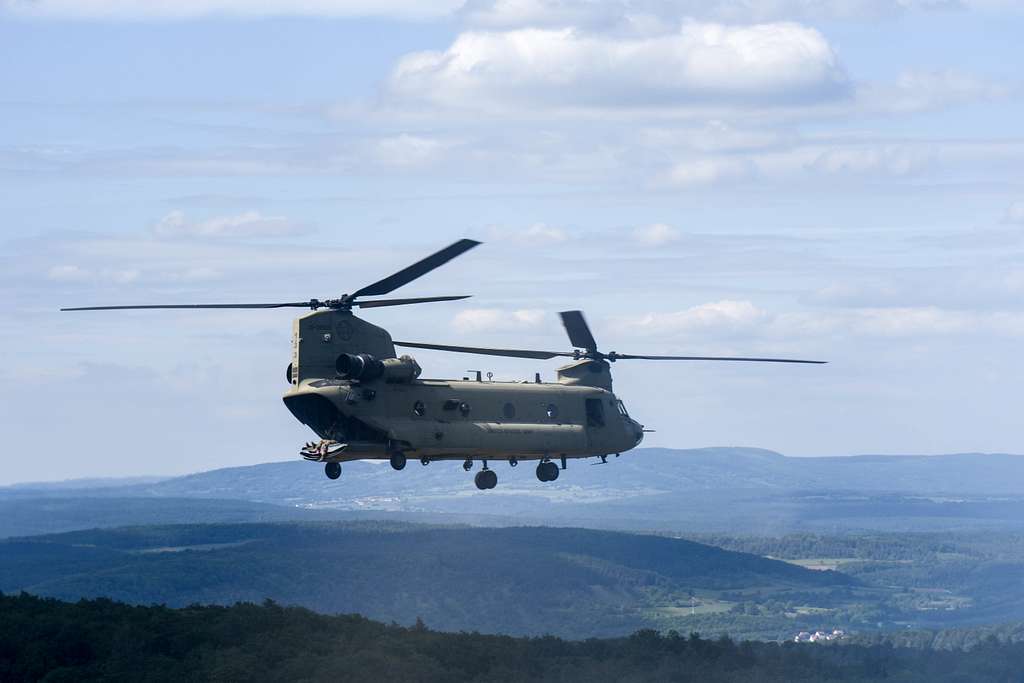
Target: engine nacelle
(401, 370)
(366, 368)
(363, 366)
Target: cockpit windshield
(622, 409)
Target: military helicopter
(348, 385)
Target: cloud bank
(163, 10)
(245, 224)
(698, 64)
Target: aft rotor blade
(578, 330)
(418, 269)
(377, 303)
(511, 353)
(628, 356)
(290, 304)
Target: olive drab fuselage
(399, 412)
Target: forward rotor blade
(511, 353)
(578, 331)
(418, 269)
(377, 303)
(629, 356)
(291, 304)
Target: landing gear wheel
(332, 470)
(547, 471)
(485, 479)
(398, 461)
(468, 465)
(424, 461)
(513, 461)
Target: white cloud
(698, 64)
(718, 317)
(919, 90)
(77, 274)
(245, 224)
(538, 234)
(714, 136)
(847, 158)
(68, 273)
(409, 151)
(185, 9)
(905, 322)
(497, 320)
(892, 160)
(902, 322)
(498, 13)
(1014, 213)
(709, 171)
(656, 235)
(626, 14)
(728, 318)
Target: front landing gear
(485, 479)
(398, 461)
(547, 471)
(332, 470)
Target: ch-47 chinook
(348, 385)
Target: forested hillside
(526, 580)
(104, 640)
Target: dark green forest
(104, 640)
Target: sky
(830, 179)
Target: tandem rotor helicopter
(348, 385)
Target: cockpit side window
(622, 409)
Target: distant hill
(35, 487)
(525, 580)
(29, 515)
(643, 471)
(713, 489)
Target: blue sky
(836, 179)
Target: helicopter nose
(638, 430)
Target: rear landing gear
(398, 461)
(485, 479)
(332, 470)
(547, 471)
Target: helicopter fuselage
(435, 419)
(439, 419)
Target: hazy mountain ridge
(712, 489)
(647, 470)
(655, 469)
